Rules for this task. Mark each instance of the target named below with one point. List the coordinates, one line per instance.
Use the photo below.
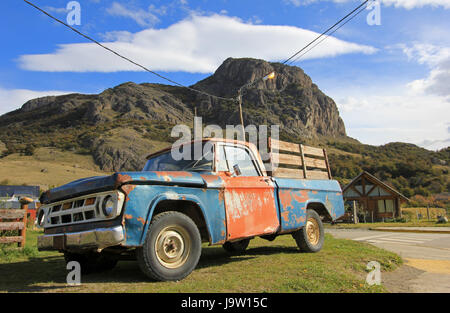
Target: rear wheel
(171, 248)
(310, 238)
(236, 247)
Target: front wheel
(310, 238)
(171, 248)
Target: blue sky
(391, 82)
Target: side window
(222, 165)
(240, 157)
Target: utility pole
(239, 98)
(240, 111)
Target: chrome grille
(80, 210)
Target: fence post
(24, 201)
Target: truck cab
(212, 190)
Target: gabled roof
(376, 181)
(9, 191)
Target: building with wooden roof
(374, 198)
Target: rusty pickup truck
(162, 214)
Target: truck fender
(176, 197)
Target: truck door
(249, 196)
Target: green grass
(265, 267)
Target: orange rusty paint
(285, 198)
(121, 179)
(285, 216)
(300, 219)
(210, 178)
(303, 197)
(250, 207)
(127, 189)
(173, 174)
(314, 192)
(140, 219)
(128, 216)
(142, 178)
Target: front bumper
(98, 238)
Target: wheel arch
(188, 205)
(321, 209)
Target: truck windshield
(165, 162)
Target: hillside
(117, 128)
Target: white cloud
(381, 115)
(142, 17)
(12, 99)
(197, 44)
(406, 4)
(416, 112)
(438, 60)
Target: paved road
(427, 258)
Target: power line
(125, 58)
(323, 34)
(328, 35)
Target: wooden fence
(15, 220)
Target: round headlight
(108, 206)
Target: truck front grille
(79, 210)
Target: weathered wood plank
(12, 214)
(11, 226)
(288, 173)
(284, 146)
(313, 151)
(316, 175)
(317, 163)
(11, 239)
(327, 163)
(286, 159)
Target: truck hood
(114, 181)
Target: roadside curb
(411, 230)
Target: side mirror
(237, 170)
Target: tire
(310, 238)
(172, 247)
(236, 247)
(91, 262)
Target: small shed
(375, 199)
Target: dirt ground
(400, 279)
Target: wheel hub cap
(172, 247)
(313, 231)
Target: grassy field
(46, 168)
(265, 267)
(411, 213)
